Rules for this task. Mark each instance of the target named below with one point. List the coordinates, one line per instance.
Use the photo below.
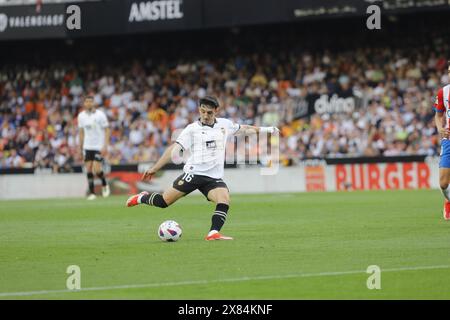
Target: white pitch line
(197, 282)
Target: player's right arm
(165, 159)
(440, 115)
(81, 139)
(80, 132)
(183, 142)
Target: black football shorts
(92, 155)
(189, 182)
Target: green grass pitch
(287, 246)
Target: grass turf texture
(287, 246)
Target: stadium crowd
(146, 100)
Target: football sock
(90, 177)
(219, 216)
(154, 199)
(212, 232)
(446, 193)
(101, 176)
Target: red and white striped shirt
(442, 104)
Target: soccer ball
(169, 231)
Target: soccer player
(442, 121)
(94, 138)
(205, 140)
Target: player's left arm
(247, 129)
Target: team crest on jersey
(180, 182)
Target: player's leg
(180, 188)
(98, 169)
(164, 200)
(221, 197)
(444, 183)
(444, 176)
(90, 178)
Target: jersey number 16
(187, 177)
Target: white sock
(446, 193)
(212, 232)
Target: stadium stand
(263, 76)
(35, 2)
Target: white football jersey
(206, 147)
(93, 124)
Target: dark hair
(210, 101)
(90, 95)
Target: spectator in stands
(393, 90)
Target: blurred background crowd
(267, 76)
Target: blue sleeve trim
(436, 110)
